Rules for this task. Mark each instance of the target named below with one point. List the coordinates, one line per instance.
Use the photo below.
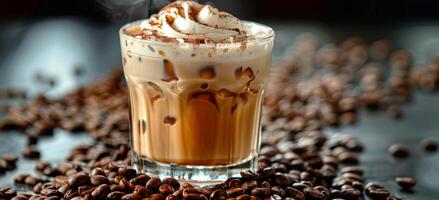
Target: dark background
(54, 37)
(329, 11)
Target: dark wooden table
(55, 47)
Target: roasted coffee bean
(7, 193)
(244, 197)
(265, 192)
(132, 196)
(156, 196)
(312, 193)
(348, 158)
(399, 151)
(186, 185)
(85, 190)
(218, 194)
(166, 189)
(281, 180)
(193, 193)
(153, 183)
(249, 185)
(141, 191)
(378, 193)
(141, 179)
(300, 186)
(172, 182)
(265, 184)
(98, 171)
(31, 152)
(429, 145)
(249, 175)
(405, 182)
(10, 159)
(78, 180)
(234, 183)
(97, 180)
(101, 191)
(351, 193)
(115, 195)
(32, 180)
(128, 173)
(63, 189)
(49, 192)
(234, 192)
(296, 194)
(20, 197)
(19, 178)
(352, 169)
(206, 191)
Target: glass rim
(270, 36)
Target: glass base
(193, 174)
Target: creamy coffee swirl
(188, 20)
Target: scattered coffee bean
(429, 145)
(7, 193)
(31, 152)
(405, 182)
(399, 151)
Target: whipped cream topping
(188, 20)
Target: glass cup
(195, 108)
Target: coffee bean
(351, 193)
(141, 191)
(296, 194)
(132, 196)
(234, 183)
(249, 175)
(78, 180)
(101, 191)
(19, 178)
(249, 185)
(10, 159)
(405, 182)
(261, 192)
(172, 182)
(141, 179)
(20, 197)
(49, 192)
(153, 183)
(348, 158)
(31, 152)
(352, 169)
(193, 193)
(98, 171)
(234, 192)
(429, 145)
(399, 151)
(115, 195)
(32, 180)
(128, 173)
(166, 189)
(97, 180)
(313, 193)
(85, 190)
(281, 179)
(218, 194)
(187, 185)
(171, 197)
(378, 193)
(7, 193)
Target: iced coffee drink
(196, 82)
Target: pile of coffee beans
(313, 87)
